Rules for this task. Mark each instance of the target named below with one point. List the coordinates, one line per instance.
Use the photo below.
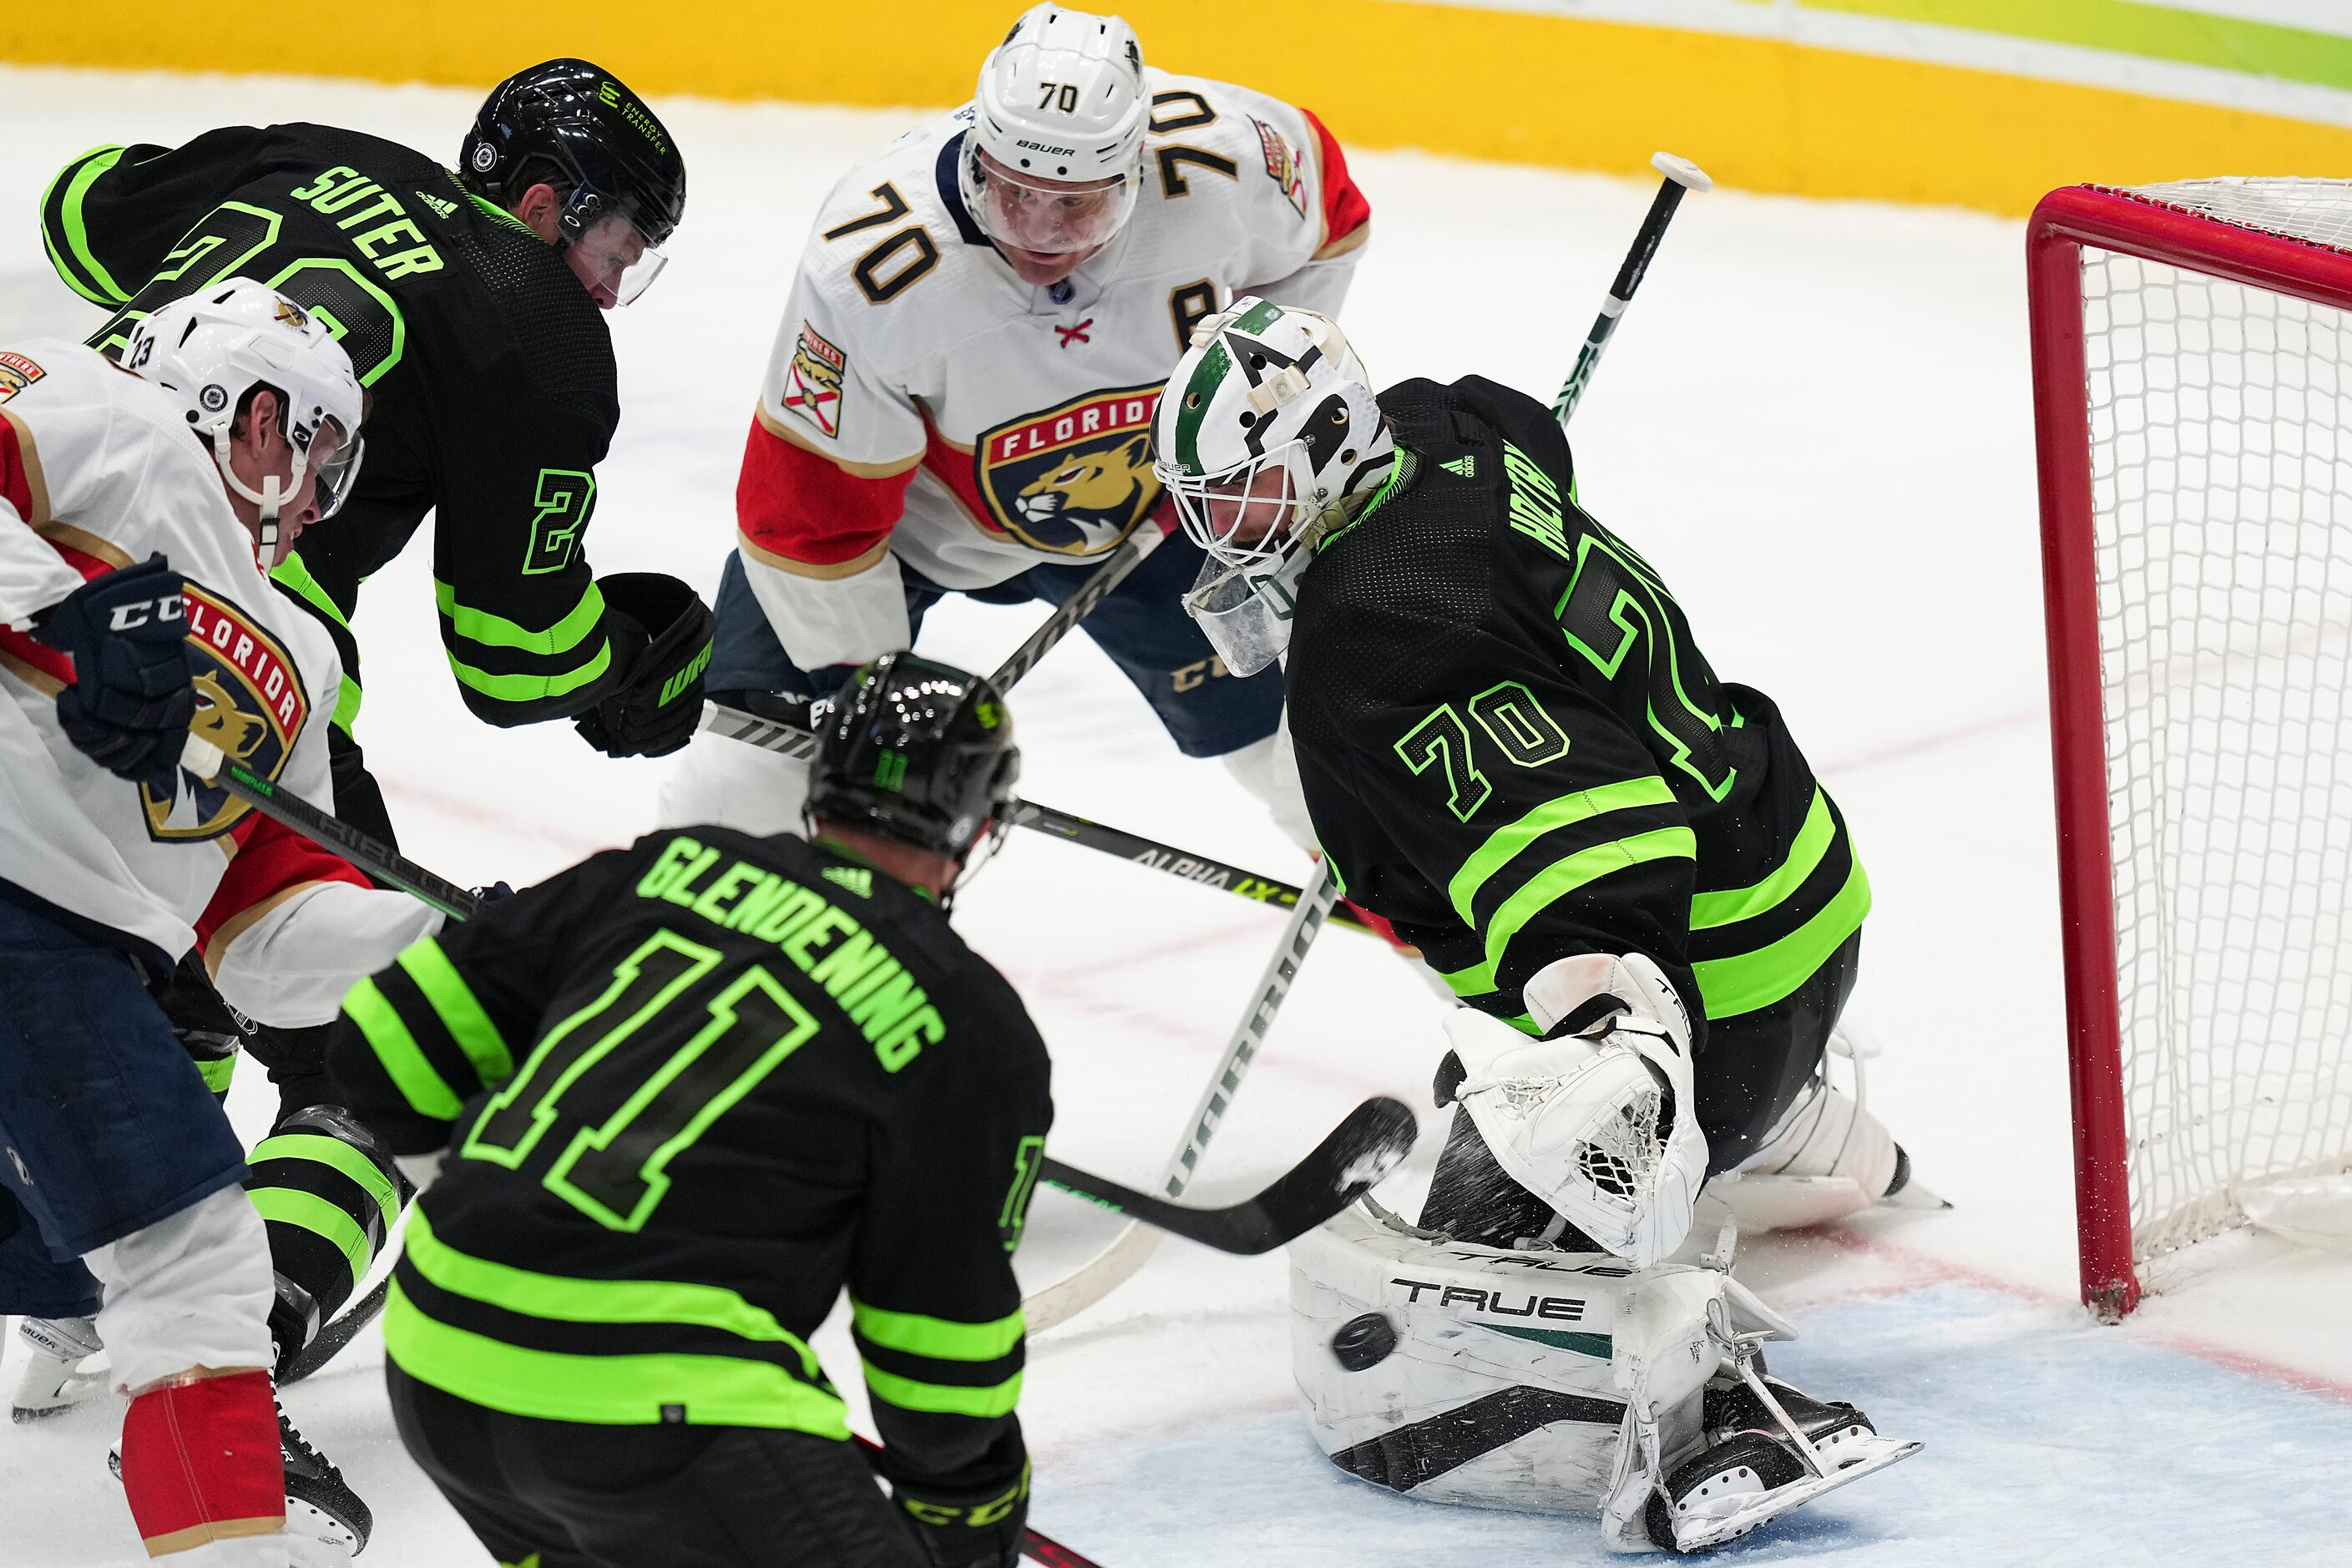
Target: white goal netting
(2221, 443)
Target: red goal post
(2225, 283)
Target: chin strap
(270, 498)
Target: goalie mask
(1268, 437)
(208, 350)
(1055, 156)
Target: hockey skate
(326, 1522)
(59, 1377)
(1769, 1448)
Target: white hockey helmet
(209, 348)
(1055, 156)
(1269, 437)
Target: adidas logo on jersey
(440, 208)
(857, 879)
(1464, 467)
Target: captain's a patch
(1282, 165)
(812, 384)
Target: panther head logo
(220, 719)
(1076, 479)
(1105, 483)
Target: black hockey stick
(1183, 864)
(334, 1334)
(1036, 1547)
(790, 740)
(1681, 175)
(324, 828)
(1357, 1153)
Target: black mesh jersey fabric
(1503, 720)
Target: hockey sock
(201, 1463)
(328, 1194)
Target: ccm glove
(134, 683)
(660, 631)
(971, 1531)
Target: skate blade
(317, 1538)
(1697, 1530)
(1914, 1196)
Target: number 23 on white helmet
(1269, 438)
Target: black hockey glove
(660, 630)
(970, 1533)
(210, 1030)
(134, 684)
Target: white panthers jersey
(98, 471)
(924, 404)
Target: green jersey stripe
(322, 1150)
(76, 264)
(291, 574)
(1751, 980)
(569, 1298)
(1565, 877)
(496, 631)
(942, 1339)
(1813, 840)
(533, 688)
(315, 1215)
(427, 1091)
(607, 1389)
(461, 1013)
(943, 1399)
(217, 1072)
(1505, 843)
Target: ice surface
(1815, 422)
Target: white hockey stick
(1115, 1264)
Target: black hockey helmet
(573, 125)
(915, 750)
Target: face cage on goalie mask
(1281, 515)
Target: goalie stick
(1681, 175)
(1115, 1264)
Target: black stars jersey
(1513, 748)
(689, 1091)
(491, 371)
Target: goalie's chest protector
(94, 461)
(1026, 412)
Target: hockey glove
(969, 1531)
(134, 684)
(660, 631)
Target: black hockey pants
(1752, 1069)
(561, 1495)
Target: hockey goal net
(2192, 362)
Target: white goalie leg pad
(1458, 1373)
(1599, 1125)
(733, 784)
(1537, 1381)
(1828, 1159)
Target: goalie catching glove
(1596, 1119)
(660, 632)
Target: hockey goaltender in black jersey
(690, 1089)
(494, 394)
(1513, 748)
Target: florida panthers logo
(1076, 480)
(249, 702)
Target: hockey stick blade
(1362, 1148)
(337, 1333)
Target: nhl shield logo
(1076, 479)
(250, 703)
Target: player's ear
(539, 206)
(257, 425)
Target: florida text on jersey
(923, 401)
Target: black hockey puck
(1364, 1342)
